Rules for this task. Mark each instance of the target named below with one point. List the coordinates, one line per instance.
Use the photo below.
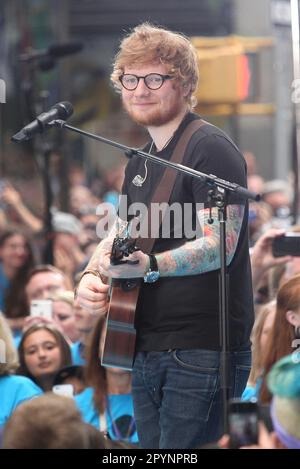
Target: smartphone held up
(66, 390)
(41, 308)
(286, 245)
(242, 423)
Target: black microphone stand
(44, 164)
(43, 159)
(42, 151)
(218, 194)
(43, 60)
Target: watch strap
(153, 267)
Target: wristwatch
(152, 274)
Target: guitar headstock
(122, 247)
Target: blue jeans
(177, 396)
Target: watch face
(151, 277)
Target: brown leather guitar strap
(164, 189)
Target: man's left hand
(127, 270)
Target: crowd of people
(50, 369)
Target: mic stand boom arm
(209, 179)
(218, 194)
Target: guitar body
(119, 344)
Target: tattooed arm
(202, 254)
(194, 257)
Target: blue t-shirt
(119, 415)
(17, 335)
(76, 352)
(13, 391)
(252, 392)
(112, 197)
(4, 284)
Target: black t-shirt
(183, 312)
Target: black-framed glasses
(153, 81)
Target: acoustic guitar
(120, 335)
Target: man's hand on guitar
(92, 293)
(135, 267)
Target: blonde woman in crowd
(63, 313)
(13, 389)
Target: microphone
(59, 50)
(61, 110)
(54, 51)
